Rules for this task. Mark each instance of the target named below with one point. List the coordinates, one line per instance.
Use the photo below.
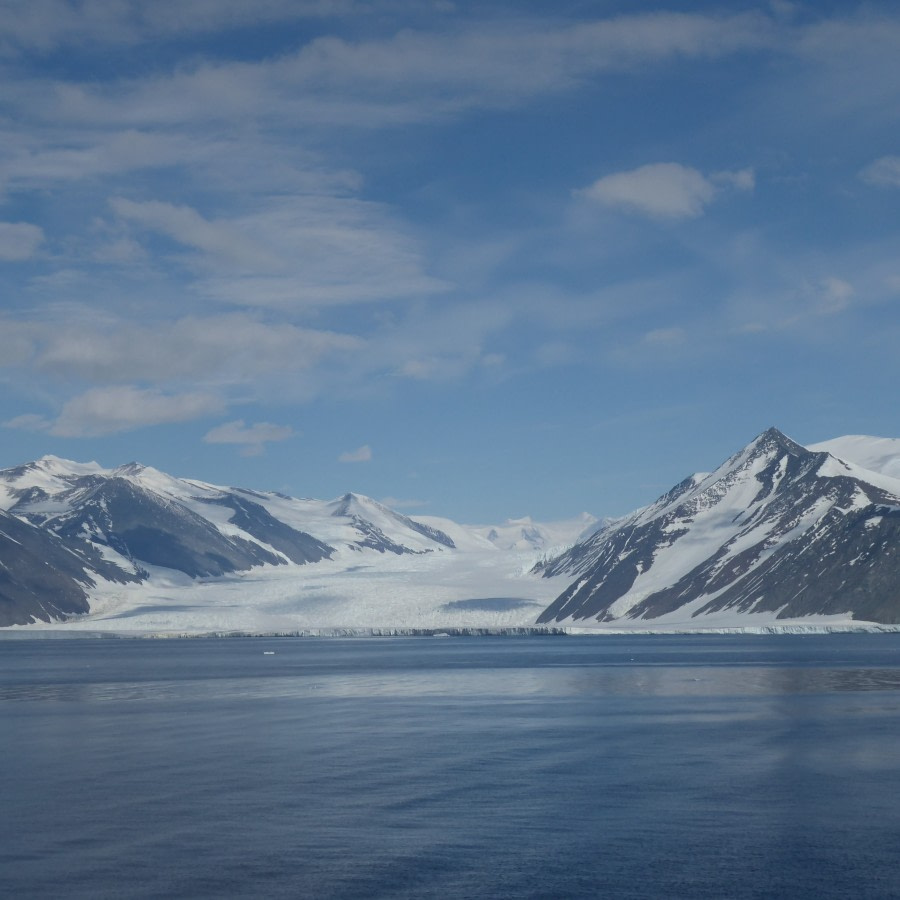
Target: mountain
(147, 518)
(777, 532)
(68, 529)
(376, 521)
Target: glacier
(779, 538)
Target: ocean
(706, 766)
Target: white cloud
(79, 155)
(420, 75)
(659, 190)
(252, 438)
(664, 190)
(884, 172)
(360, 455)
(222, 241)
(19, 241)
(29, 422)
(109, 410)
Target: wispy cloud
(252, 439)
(413, 75)
(109, 410)
(235, 349)
(360, 455)
(297, 252)
(221, 242)
(884, 172)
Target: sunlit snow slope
(874, 453)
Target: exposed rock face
(44, 577)
(144, 527)
(777, 528)
(257, 521)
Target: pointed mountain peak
(352, 504)
(132, 468)
(772, 438)
(771, 443)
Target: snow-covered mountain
(777, 532)
(127, 540)
(146, 516)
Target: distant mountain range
(778, 533)
(70, 532)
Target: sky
(473, 259)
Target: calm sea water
(708, 766)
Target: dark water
(692, 767)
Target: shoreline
(50, 633)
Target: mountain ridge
(136, 525)
(772, 521)
(778, 532)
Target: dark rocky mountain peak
(776, 529)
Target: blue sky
(475, 259)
